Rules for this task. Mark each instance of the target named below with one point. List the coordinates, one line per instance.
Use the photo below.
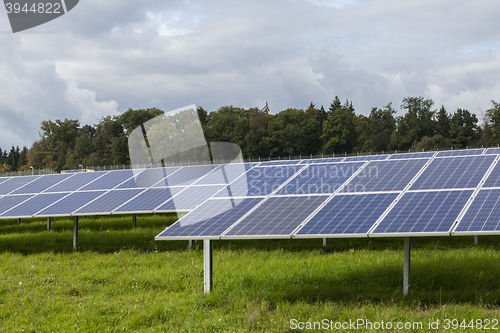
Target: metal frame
(406, 265)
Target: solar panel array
(430, 193)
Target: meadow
(120, 279)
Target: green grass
(120, 279)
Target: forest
(66, 144)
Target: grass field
(120, 279)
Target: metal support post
(75, 233)
(406, 266)
(49, 223)
(135, 220)
(191, 243)
(476, 239)
(207, 265)
(325, 242)
(19, 221)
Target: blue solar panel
(34, 204)
(211, 218)
(189, 198)
(492, 151)
(77, 181)
(15, 183)
(493, 179)
(70, 203)
(276, 217)
(455, 172)
(483, 214)
(366, 158)
(42, 183)
(385, 175)
(147, 178)
(348, 214)
(323, 160)
(232, 171)
(4, 179)
(320, 178)
(10, 201)
(109, 180)
(147, 201)
(280, 162)
(108, 202)
(412, 155)
(186, 175)
(465, 152)
(260, 181)
(422, 212)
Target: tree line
(65, 144)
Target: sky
(105, 57)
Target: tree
(492, 121)
(463, 128)
(382, 126)
(339, 130)
(443, 123)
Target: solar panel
(36, 203)
(277, 217)
(492, 151)
(210, 219)
(9, 201)
(280, 162)
(15, 183)
(412, 155)
(189, 198)
(109, 181)
(108, 202)
(456, 172)
(187, 175)
(366, 158)
(463, 152)
(67, 205)
(493, 179)
(147, 201)
(347, 215)
(323, 160)
(42, 183)
(77, 181)
(392, 175)
(320, 178)
(226, 172)
(4, 179)
(261, 181)
(423, 212)
(147, 178)
(483, 215)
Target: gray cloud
(107, 56)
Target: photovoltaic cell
(348, 214)
(76, 181)
(232, 171)
(147, 201)
(456, 172)
(9, 201)
(492, 151)
(109, 181)
(280, 162)
(15, 183)
(323, 160)
(70, 203)
(186, 175)
(189, 198)
(422, 212)
(464, 152)
(261, 181)
(366, 158)
(493, 179)
(42, 183)
(210, 219)
(320, 178)
(4, 179)
(108, 202)
(34, 204)
(147, 178)
(277, 216)
(392, 175)
(412, 155)
(483, 214)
